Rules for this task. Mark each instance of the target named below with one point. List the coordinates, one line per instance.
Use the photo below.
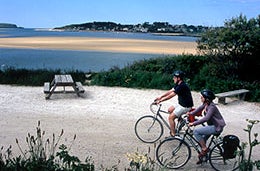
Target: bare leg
(203, 145)
(171, 120)
(204, 151)
(171, 109)
(172, 123)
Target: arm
(210, 113)
(197, 110)
(168, 95)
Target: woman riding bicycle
(214, 119)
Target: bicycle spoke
(153, 123)
(173, 153)
(148, 129)
(218, 162)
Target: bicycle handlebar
(156, 107)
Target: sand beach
(101, 44)
(103, 120)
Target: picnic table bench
(63, 81)
(240, 93)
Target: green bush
(156, 73)
(129, 78)
(209, 78)
(34, 77)
(153, 73)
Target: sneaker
(202, 159)
(202, 154)
(199, 161)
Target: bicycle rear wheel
(173, 153)
(148, 129)
(219, 163)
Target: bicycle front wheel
(219, 163)
(173, 153)
(148, 129)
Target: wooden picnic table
(64, 81)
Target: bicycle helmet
(208, 94)
(178, 73)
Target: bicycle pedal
(201, 161)
(204, 159)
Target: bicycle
(175, 152)
(149, 128)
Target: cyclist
(185, 101)
(214, 119)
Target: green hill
(7, 25)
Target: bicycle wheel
(148, 129)
(173, 153)
(219, 163)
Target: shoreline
(101, 44)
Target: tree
(234, 48)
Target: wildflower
(137, 159)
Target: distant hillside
(7, 25)
(156, 27)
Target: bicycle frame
(189, 137)
(158, 115)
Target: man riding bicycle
(185, 101)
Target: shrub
(42, 155)
(248, 164)
(34, 77)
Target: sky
(57, 13)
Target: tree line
(146, 27)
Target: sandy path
(103, 120)
(101, 44)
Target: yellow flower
(137, 158)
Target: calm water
(68, 59)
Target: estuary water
(71, 59)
